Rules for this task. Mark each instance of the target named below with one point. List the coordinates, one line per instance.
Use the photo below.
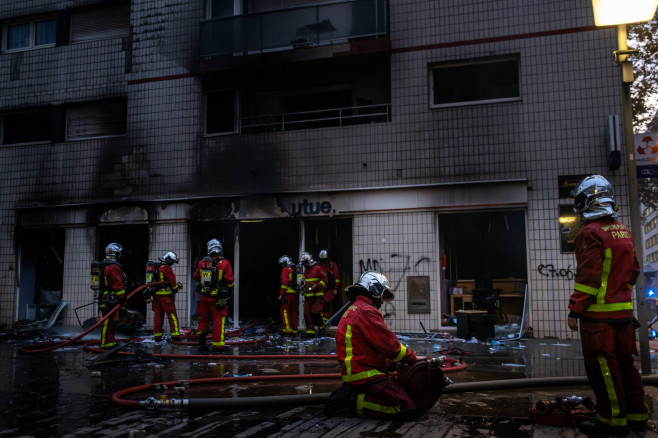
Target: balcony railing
(355, 115)
(293, 28)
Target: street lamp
(620, 13)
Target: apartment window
(221, 112)
(96, 119)
(475, 82)
(29, 33)
(100, 22)
(30, 126)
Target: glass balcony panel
(292, 28)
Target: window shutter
(100, 23)
(96, 119)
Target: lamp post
(620, 13)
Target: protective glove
(180, 286)
(221, 303)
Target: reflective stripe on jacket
(607, 270)
(364, 343)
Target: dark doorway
(42, 273)
(261, 246)
(482, 248)
(334, 235)
(135, 242)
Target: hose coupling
(153, 403)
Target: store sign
(646, 154)
(310, 208)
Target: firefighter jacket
(330, 268)
(165, 273)
(607, 270)
(365, 346)
(287, 282)
(223, 274)
(114, 283)
(315, 281)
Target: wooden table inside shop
(459, 302)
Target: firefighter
(330, 269)
(288, 297)
(163, 299)
(369, 352)
(602, 300)
(315, 282)
(216, 287)
(112, 292)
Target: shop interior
(485, 264)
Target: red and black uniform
(163, 302)
(289, 301)
(330, 269)
(206, 307)
(602, 299)
(367, 349)
(113, 284)
(315, 282)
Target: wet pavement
(67, 392)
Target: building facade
(434, 142)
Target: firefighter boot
(598, 429)
(203, 347)
(342, 400)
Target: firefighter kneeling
(381, 377)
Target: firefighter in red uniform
(368, 351)
(288, 297)
(602, 300)
(163, 300)
(330, 269)
(315, 282)
(216, 287)
(112, 292)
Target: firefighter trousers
(290, 312)
(206, 310)
(384, 399)
(164, 305)
(608, 350)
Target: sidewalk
(58, 394)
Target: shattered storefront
(421, 237)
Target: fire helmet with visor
(170, 258)
(594, 198)
(285, 261)
(215, 247)
(113, 251)
(373, 285)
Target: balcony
(316, 119)
(288, 29)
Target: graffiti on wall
(394, 273)
(551, 271)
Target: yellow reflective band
(585, 289)
(163, 292)
(600, 297)
(610, 389)
(286, 323)
(403, 352)
(637, 417)
(380, 408)
(360, 399)
(174, 329)
(360, 376)
(610, 307)
(348, 351)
